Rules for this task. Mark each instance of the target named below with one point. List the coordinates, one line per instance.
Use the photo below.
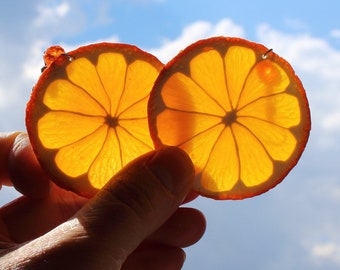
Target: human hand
(134, 222)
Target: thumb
(138, 200)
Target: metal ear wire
(264, 56)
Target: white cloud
(6, 96)
(332, 122)
(104, 16)
(194, 32)
(226, 27)
(34, 60)
(335, 33)
(296, 24)
(58, 19)
(48, 15)
(326, 251)
(69, 47)
(145, 1)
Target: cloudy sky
(294, 226)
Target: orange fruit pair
(234, 106)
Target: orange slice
(237, 109)
(87, 116)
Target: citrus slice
(87, 116)
(237, 109)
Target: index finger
(19, 166)
(6, 144)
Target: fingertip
(6, 143)
(192, 195)
(173, 168)
(184, 228)
(155, 257)
(24, 170)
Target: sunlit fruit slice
(87, 116)
(237, 109)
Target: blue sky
(294, 226)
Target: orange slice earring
(87, 116)
(237, 109)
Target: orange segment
(60, 95)
(112, 78)
(58, 129)
(242, 59)
(203, 71)
(237, 109)
(87, 116)
(82, 153)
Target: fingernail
(173, 168)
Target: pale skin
(134, 222)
